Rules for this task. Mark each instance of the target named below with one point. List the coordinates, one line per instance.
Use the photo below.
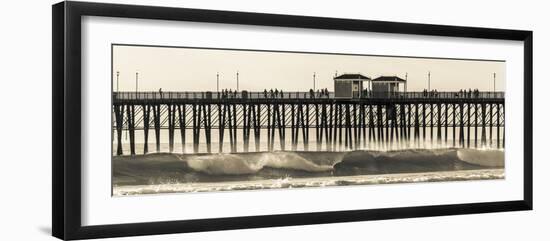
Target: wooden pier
(458, 119)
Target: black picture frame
(66, 127)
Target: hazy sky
(191, 69)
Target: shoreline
(310, 182)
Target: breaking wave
(164, 168)
(234, 164)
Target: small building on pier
(349, 85)
(387, 86)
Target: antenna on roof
(336, 73)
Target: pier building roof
(388, 79)
(351, 77)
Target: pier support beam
(347, 128)
(257, 121)
(380, 126)
(222, 111)
(483, 125)
(182, 124)
(356, 131)
(130, 115)
(491, 125)
(317, 128)
(156, 120)
(269, 128)
(461, 128)
(196, 127)
(235, 126)
(431, 125)
(171, 127)
(146, 112)
(293, 128)
(454, 125)
(330, 127)
(498, 125)
(416, 126)
(119, 113)
(468, 125)
(339, 117)
(476, 109)
(438, 124)
(446, 123)
(207, 120)
(246, 126)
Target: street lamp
(495, 82)
(136, 83)
(406, 81)
(313, 81)
(429, 81)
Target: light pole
(429, 81)
(406, 81)
(217, 82)
(136, 83)
(494, 82)
(237, 80)
(313, 81)
(117, 74)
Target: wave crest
(193, 168)
(235, 164)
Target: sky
(195, 69)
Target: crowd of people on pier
(468, 93)
(463, 93)
(431, 93)
(228, 93)
(276, 94)
(323, 93)
(273, 94)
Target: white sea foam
(483, 174)
(251, 163)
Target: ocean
(187, 173)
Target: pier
(312, 121)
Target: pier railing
(171, 95)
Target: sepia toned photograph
(188, 119)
